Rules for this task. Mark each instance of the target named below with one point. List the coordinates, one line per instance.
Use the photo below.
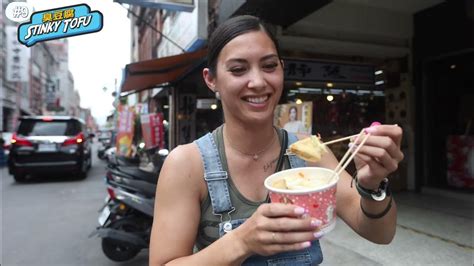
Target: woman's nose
(256, 80)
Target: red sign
(126, 126)
(153, 130)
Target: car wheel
(89, 162)
(82, 171)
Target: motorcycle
(126, 218)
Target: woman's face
(293, 114)
(249, 77)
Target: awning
(158, 72)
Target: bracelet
(379, 215)
(380, 194)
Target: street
(47, 222)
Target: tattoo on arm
(268, 166)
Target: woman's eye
(237, 70)
(270, 66)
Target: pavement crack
(468, 247)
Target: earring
(218, 95)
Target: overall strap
(215, 176)
(295, 161)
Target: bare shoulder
(183, 167)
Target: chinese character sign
(309, 70)
(153, 130)
(295, 118)
(125, 130)
(17, 57)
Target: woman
(294, 125)
(211, 206)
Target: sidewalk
(431, 230)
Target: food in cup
(318, 198)
(299, 180)
(309, 149)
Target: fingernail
(375, 124)
(299, 210)
(318, 234)
(371, 129)
(306, 244)
(305, 215)
(315, 223)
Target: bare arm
(377, 159)
(177, 214)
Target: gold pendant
(255, 157)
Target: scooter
(125, 224)
(127, 215)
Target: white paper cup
(319, 203)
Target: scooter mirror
(163, 152)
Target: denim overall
(216, 179)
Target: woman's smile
(257, 101)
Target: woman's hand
(277, 227)
(379, 156)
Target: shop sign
(205, 103)
(153, 130)
(319, 71)
(17, 57)
(295, 118)
(125, 126)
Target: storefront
(448, 114)
(333, 98)
(444, 86)
(172, 91)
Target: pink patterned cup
(319, 202)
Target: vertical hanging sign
(153, 130)
(125, 126)
(17, 57)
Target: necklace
(255, 156)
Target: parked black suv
(50, 144)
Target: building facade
(324, 45)
(34, 80)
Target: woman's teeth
(257, 99)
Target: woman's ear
(282, 63)
(209, 79)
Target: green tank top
(244, 208)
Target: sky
(96, 60)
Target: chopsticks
(340, 139)
(345, 160)
(288, 152)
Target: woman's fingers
(287, 224)
(383, 144)
(380, 156)
(290, 237)
(280, 210)
(392, 131)
(374, 168)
